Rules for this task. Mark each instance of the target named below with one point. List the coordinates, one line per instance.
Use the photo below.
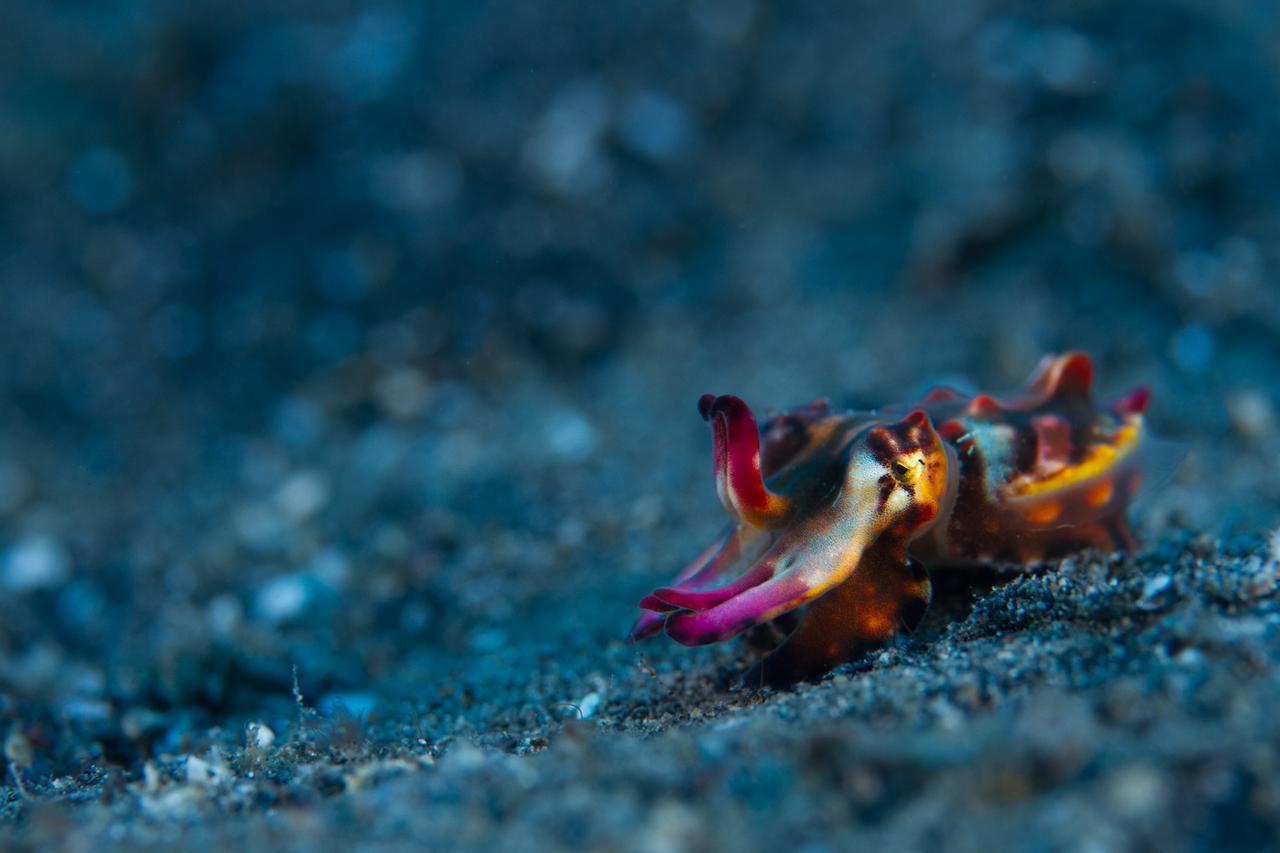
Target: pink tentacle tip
(1134, 403)
(688, 630)
(646, 626)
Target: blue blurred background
(366, 336)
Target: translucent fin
(1161, 458)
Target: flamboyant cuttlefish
(839, 510)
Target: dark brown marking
(886, 488)
(881, 444)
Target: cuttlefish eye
(906, 468)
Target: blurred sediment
(365, 340)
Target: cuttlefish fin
(887, 595)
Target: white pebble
(36, 562)
(1153, 590)
(1252, 414)
(656, 125)
(589, 704)
(261, 737)
(212, 771)
(224, 614)
(569, 434)
(402, 392)
(303, 494)
(282, 598)
(198, 771)
(564, 148)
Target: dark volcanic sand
(363, 344)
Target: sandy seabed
(348, 363)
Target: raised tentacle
(1058, 377)
(739, 481)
